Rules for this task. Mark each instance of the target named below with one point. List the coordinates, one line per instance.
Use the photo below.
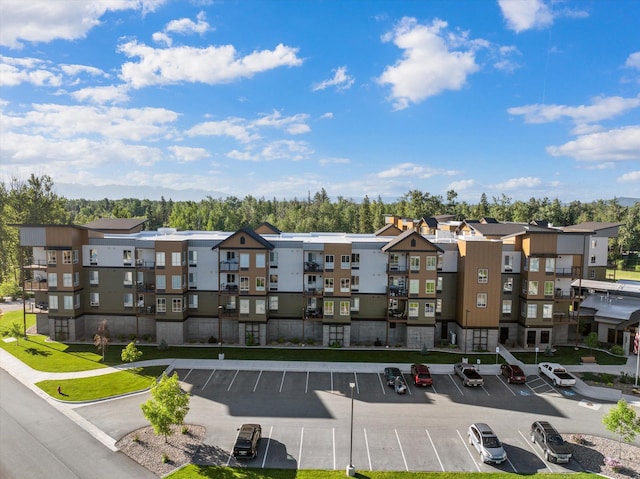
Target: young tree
(130, 354)
(622, 420)
(102, 337)
(168, 405)
(15, 331)
(592, 341)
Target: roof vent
(167, 231)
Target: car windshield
(242, 443)
(556, 439)
(491, 442)
(424, 376)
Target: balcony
(397, 291)
(229, 288)
(312, 267)
(565, 272)
(36, 285)
(142, 264)
(229, 266)
(33, 263)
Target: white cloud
(294, 125)
(633, 61)
(102, 94)
(518, 183)
(326, 116)
(631, 177)
(186, 154)
(15, 71)
(619, 144)
(45, 20)
(340, 80)
(286, 150)
(236, 128)
(461, 185)
(183, 26)
(334, 161)
(428, 66)
(73, 70)
(411, 170)
(522, 15)
(211, 65)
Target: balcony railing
(36, 285)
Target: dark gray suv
(246, 445)
(550, 441)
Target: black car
(390, 375)
(246, 445)
(550, 441)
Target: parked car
(550, 441)
(390, 375)
(513, 373)
(400, 385)
(246, 445)
(482, 437)
(421, 375)
(469, 375)
(557, 373)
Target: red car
(513, 373)
(421, 375)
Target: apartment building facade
(474, 284)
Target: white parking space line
(266, 449)
(505, 385)
(355, 380)
(366, 443)
(231, 449)
(512, 466)
(333, 438)
(434, 389)
(435, 450)
(526, 440)
(233, 379)
(406, 466)
(300, 449)
(207, 382)
(464, 443)
(483, 388)
(331, 381)
(455, 384)
(185, 378)
(282, 381)
(382, 384)
(408, 388)
(255, 386)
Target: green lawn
(100, 387)
(215, 472)
(623, 274)
(569, 355)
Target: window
(273, 282)
(76, 256)
(273, 303)
(94, 277)
(414, 310)
(440, 260)
(260, 260)
(548, 288)
(328, 285)
(432, 263)
(592, 274)
(534, 265)
(328, 308)
(355, 283)
(127, 257)
(260, 306)
(273, 259)
(193, 301)
(481, 300)
(345, 261)
(244, 306)
(506, 306)
(429, 310)
(430, 286)
(594, 243)
(414, 263)
(93, 256)
(345, 308)
(592, 260)
(52, 280)
(128, 278)
(68, 302)
(547, 311)
(161, 305)
(414, 286)
(550, 265)
(66, 257)
(525, 286)
(355, 304)
(231, 302)
(244, 261)
(533, 288)
(439, 283)
(176, 258)
(532, 310)
(176, 281)
(160, 260)
(328, 261)
(176, 305)
(394, 262)
(244, 283)
(76, 301)
(438, 306)
(483, 275)
(345, 285)
(128, 300)
(193, 280)
(336, 335)
(508, 263)
(51, 257)
(355, 260)
(260, 283)
(53, 302)
(67, 280)
(94, 299)
(193, 258)
(161, 282)
(76, 278)
(507, 286)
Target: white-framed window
(533, 288)
(414, 263)
(429, 310)
(68, 302)
(76, 256)
(127, 278)
(440, 260)
(66, 257)
(176, 305)
(355, 304)
(261, 260)
(273, 259)
(547, 311)
(439, 283)
(161, 282)
(76, 278)
(328, 285)
(245, 261)
(176, 281)
(244, 306)
(329, 261)
(273, 303)
(244, 283)
(355, 260)
(345, 308)
(193, 257)
(161, 305)
(94, 277)
(176, 258)
(160, 259)
(127, 300)
(483, 275)
(76, 301)
(260, 283)
(507, 286)
(93, 256)
(53, 302)
(414, 309)
(550, 265)
(534, 265)
(394, 262)
(532, 310)
(432, 263)
(430, 286)
(94, 299)
(525, 286)
(508, 263)
(438, 305)
(548, 288)
(592, 260)
(260, 306)
(345, 261)
(193, 301)
(273, 282)
(193, 280)
(52, 280)
(414, 286)
(51, 257)
(481, 300)
(127, 257)
(67, 280)
(355, 283)
(506, 306)
(592, 274)
(345, 285)
(231, 302)
(328, 308)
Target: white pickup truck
(557, 373)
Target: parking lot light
(351, 470)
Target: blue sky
(280, 98)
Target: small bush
(617, 350)
(165, 458)
(163, 346)
(184, 430)
(626, 378)
(310, 341)
(607, 378)
(212, 340)
(280, 340)
(579, 439)
(295, 340)
(613, 463)
(136, 438)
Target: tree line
(34, 201)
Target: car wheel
(547, 456)
(555, 383)
(509, 380)
(470, 441)
(533, 439)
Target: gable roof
(117, 225)
(252, 234)
(589, 227)
(398, 240)
(388, 230)
(267, 228)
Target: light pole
(219, 330)
(497, 352)
(351, 470)
(466, 322)
(537, 349)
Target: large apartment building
(476, 284)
